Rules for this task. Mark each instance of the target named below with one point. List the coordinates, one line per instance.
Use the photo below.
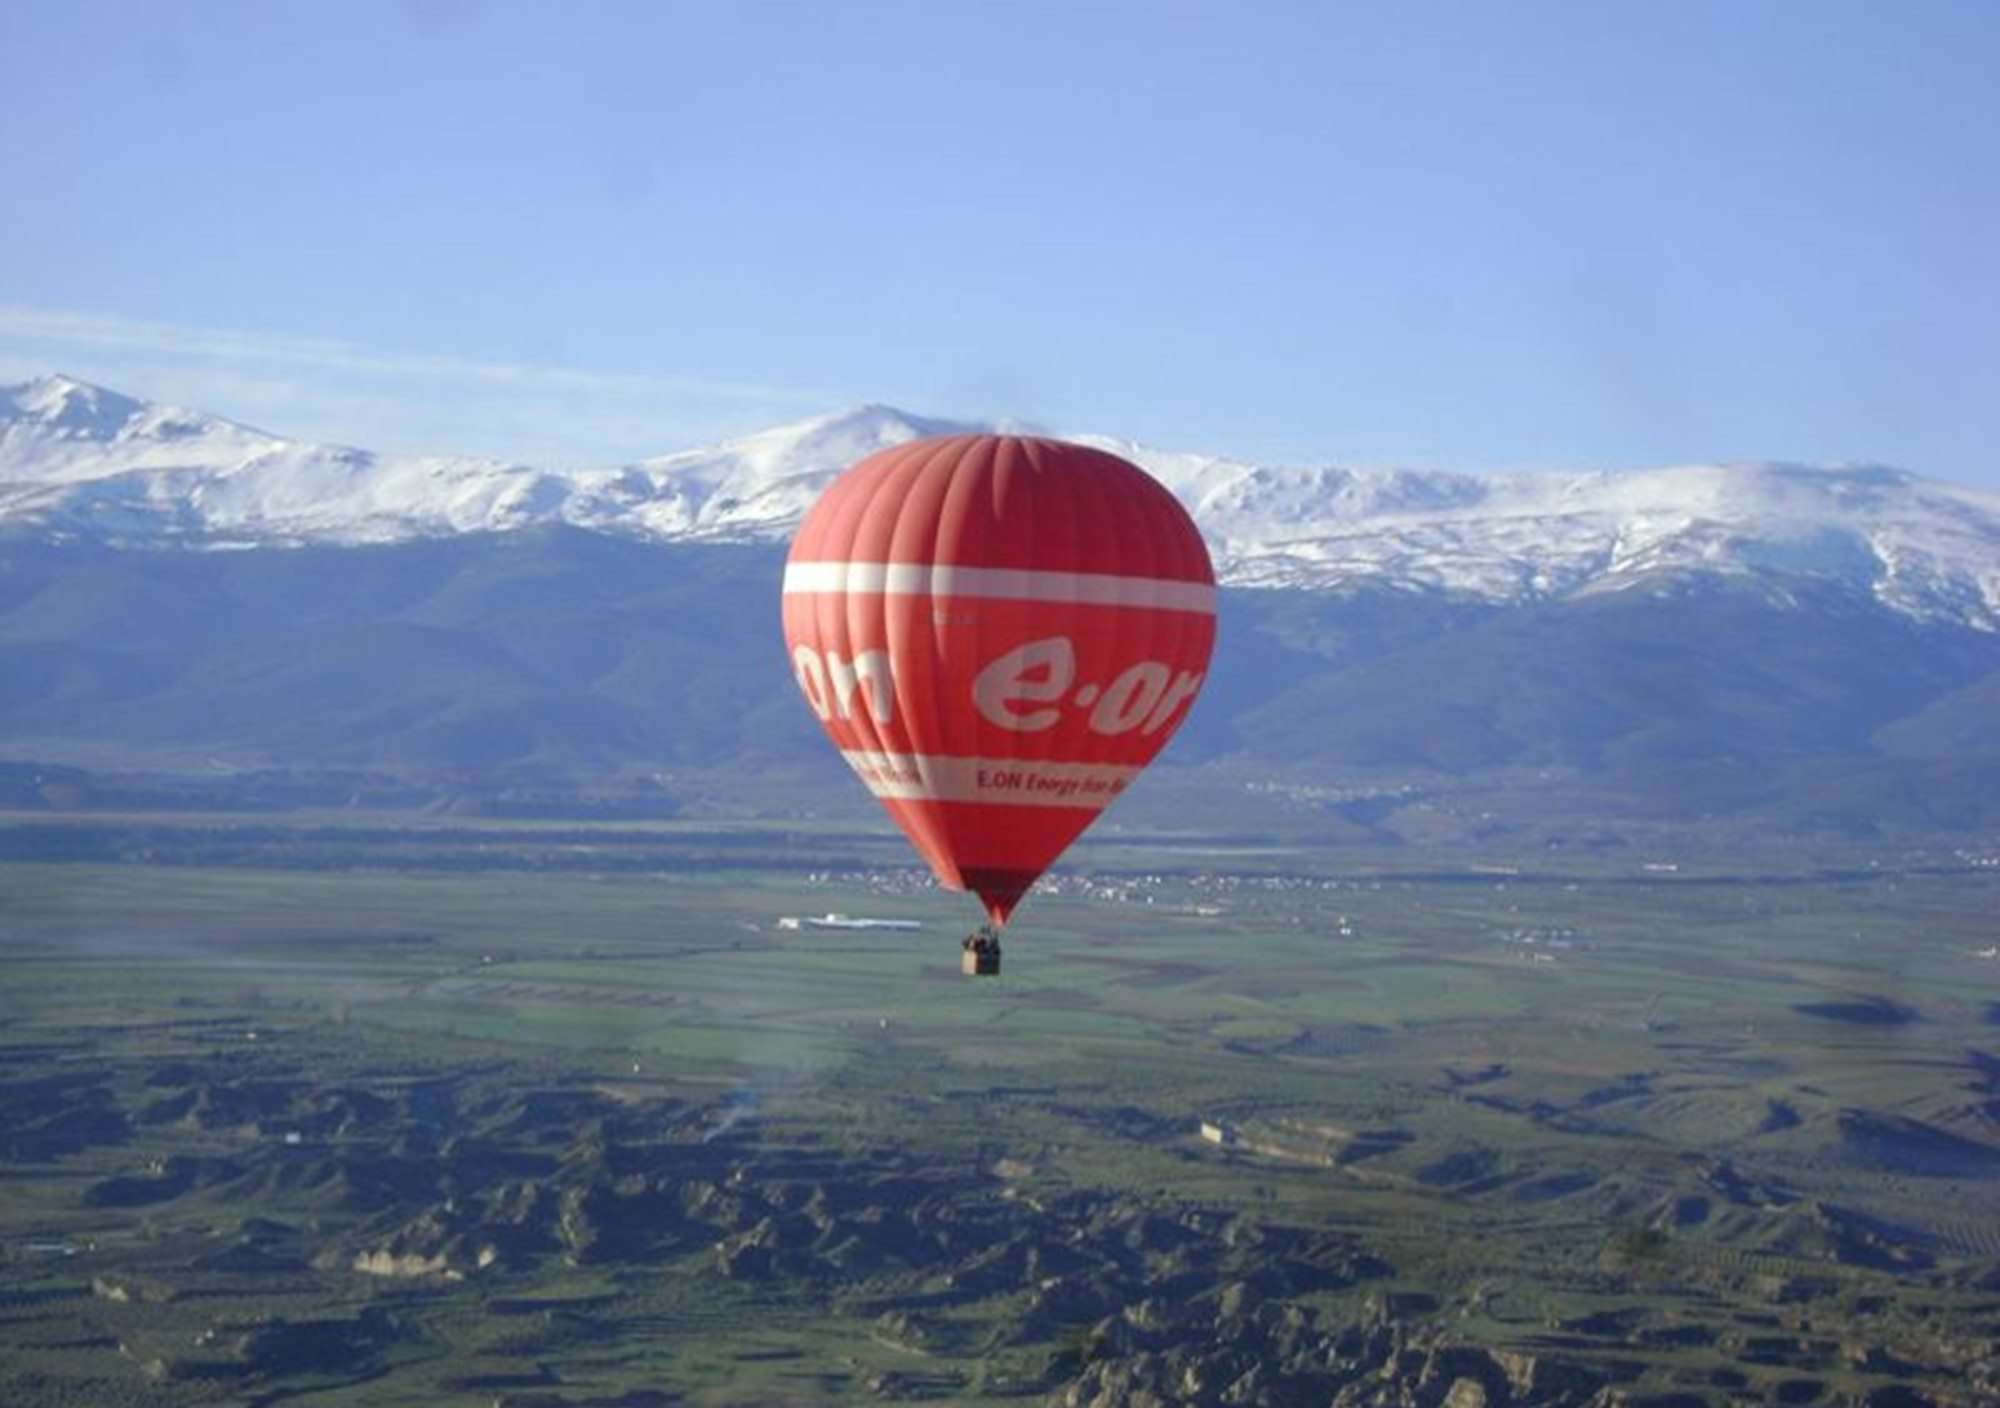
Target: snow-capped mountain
(78, 460)
(81, 462)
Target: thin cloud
(101, 330)
(335, 390)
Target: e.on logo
(830, 684)
(1042, 672)
(1024, 691)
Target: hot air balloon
(998, 632)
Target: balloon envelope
(998, 632)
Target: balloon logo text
(1143, 696)
(829, 683)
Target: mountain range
(79, 461)
(1403, 654)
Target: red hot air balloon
(998, 632)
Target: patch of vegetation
(1254, 1136)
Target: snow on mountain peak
(63, 407)
(80, 461)
(66, 404)
(829, 442)
(60, 407)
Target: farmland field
(1510, 1131)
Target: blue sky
(1452, 236)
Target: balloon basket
(981, 958)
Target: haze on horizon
(1549, 235)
